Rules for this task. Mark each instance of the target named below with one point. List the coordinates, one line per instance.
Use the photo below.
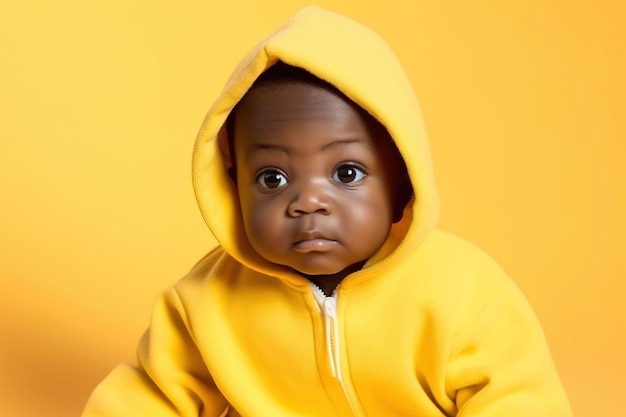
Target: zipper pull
(329, 306)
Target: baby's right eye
(272, 179)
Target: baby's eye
(349, 174)
(272, 179)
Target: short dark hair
(281, 73)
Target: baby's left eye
(349, 174)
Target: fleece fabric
(431, 326)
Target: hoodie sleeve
(501, 365)
(171, 378)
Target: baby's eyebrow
(266, 147)
(341, 142)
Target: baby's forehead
(297, 103)
(305, 92)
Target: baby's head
(319, 180)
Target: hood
(360, 64)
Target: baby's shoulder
(454, 251)
(449, 261)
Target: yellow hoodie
(431, 326)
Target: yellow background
(100, 102)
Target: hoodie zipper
(328, 307)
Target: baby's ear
(403, 196)
(225, 142)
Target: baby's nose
(310, 198)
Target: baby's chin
(328, 273)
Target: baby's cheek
(264, 225)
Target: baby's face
(317, 178)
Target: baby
(331, 292)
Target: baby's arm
(171, 378)
(501, 366)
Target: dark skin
(319, 180)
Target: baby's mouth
(313, 242)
